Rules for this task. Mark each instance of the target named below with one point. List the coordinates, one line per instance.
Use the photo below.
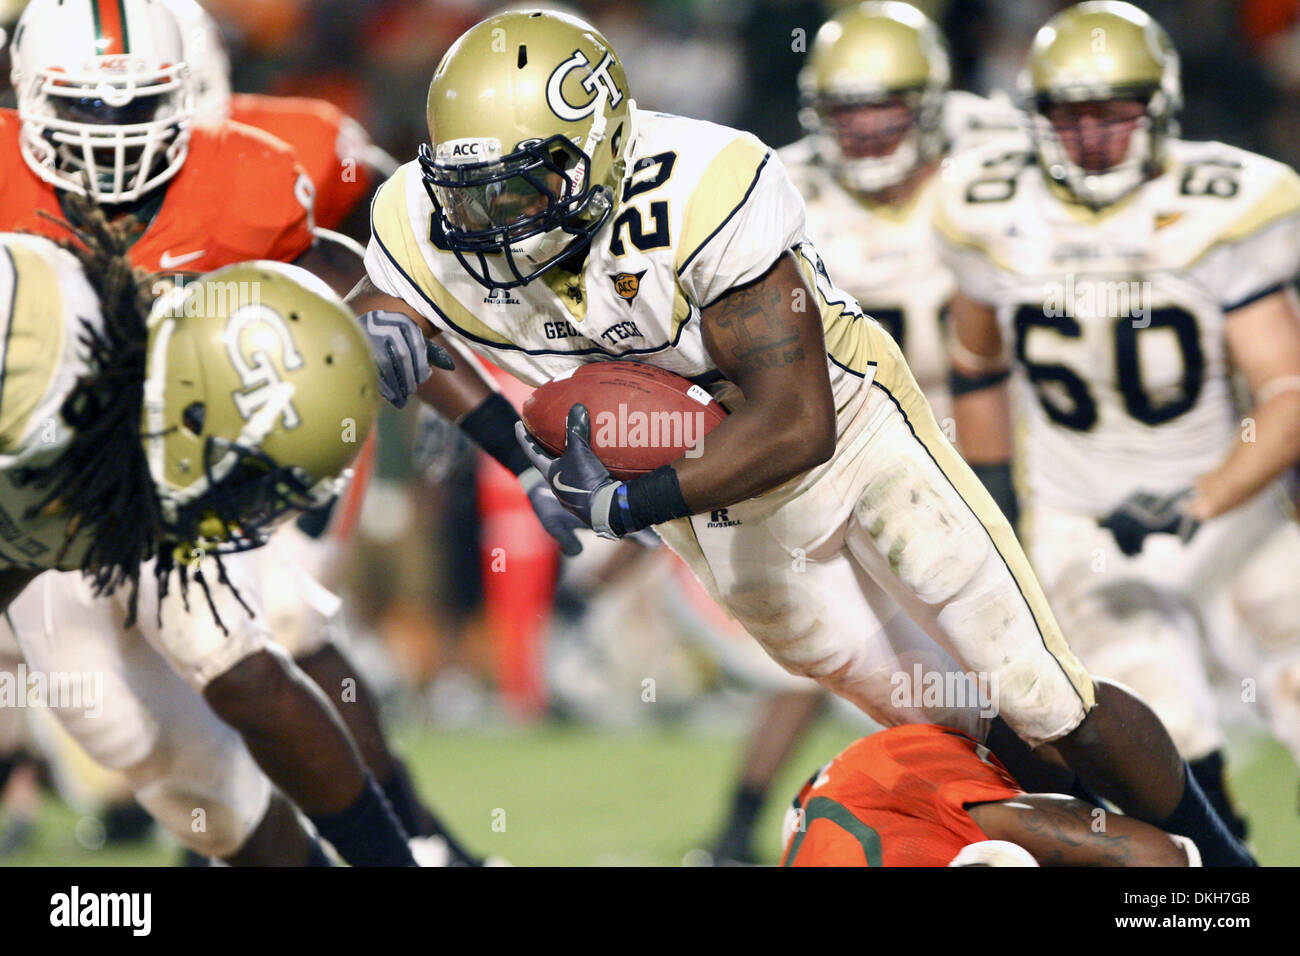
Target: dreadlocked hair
(101, 481)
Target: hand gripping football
(642, 417)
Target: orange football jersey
(329, 145)
(896, 798)
(240, 195)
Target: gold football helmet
(873, 54)
(260, 390)
(530, 127)
(1101, 51)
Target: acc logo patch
(627, 285)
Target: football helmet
(260, 390)
(530, 128)
(205, 55)
(1097, 52)
(104, 95)
(876, 54)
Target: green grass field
(565, 795)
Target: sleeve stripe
(12, 269)
(740, 205)
(825, 808)
(1256, 296)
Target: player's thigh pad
(1265, 596)
(926, 530)
(137, 716)
(76, 642)
(302, 614)
(188, 636)
(818, 616)
(1127, 623)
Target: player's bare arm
(1062, 831)
(981, 398)
(777, 356)
(453, 393)
(1264, 341)
(462, 393)
(981, 404)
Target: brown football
(642, 417)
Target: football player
(1128, 276)
(856, 543)
(342, 163)
(131, 434)
(334, 150)
(105, 112)
(880, 117)
(925, 795)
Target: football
(642, 417)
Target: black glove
(402, 354)
(1143, 513)
(580, 482)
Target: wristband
(997, 481)
(1187, 846)
(959, 383)
(492, 426)
(649, 500)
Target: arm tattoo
(1066, 825)
(756, 336)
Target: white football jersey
(705, 209)
(45, 303)
(1116, 318)
(887, 256)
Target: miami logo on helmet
(596, 77)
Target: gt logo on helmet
(253, 335)
(599, 76)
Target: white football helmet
(205, 54)
(104, 95)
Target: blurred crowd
(735, 61)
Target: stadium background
(559, 756)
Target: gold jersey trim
(32, 343)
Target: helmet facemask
(244, 496)
(1091, 179)
(509, 219)
(1091, 70)
(871, 154)
(115, 133)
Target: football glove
(579, 481)
(403, 355)
(557, 521)
(1143, 513)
